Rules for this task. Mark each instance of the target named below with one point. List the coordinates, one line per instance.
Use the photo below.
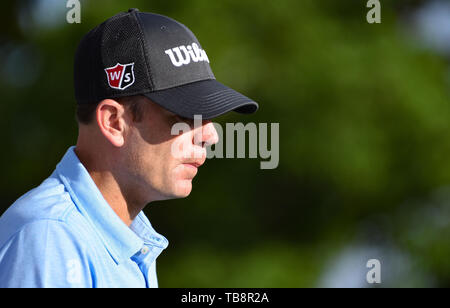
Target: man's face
(154, 170)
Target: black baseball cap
(137, 53)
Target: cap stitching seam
(179, 84)
(144, 49)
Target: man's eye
(188, 121)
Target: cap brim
(208, 98)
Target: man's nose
(206, 135)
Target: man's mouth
(194, 165)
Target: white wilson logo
(182, 55)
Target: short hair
(85, 113)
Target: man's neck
(109, 187)
(113, 194)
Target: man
(136, 75)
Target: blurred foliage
(364, 129)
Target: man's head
(135, 76)
(131, 137)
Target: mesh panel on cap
(115, 41)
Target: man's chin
(183, 188)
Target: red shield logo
(120, 76)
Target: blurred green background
(364, 115)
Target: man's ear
(110, 120)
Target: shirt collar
(121, 241)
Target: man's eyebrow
(186, 120)
(168, 113)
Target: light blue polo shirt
(63, 233)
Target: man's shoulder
(42, 240)
(50, 201)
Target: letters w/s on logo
(120, 76)
(182, 55)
